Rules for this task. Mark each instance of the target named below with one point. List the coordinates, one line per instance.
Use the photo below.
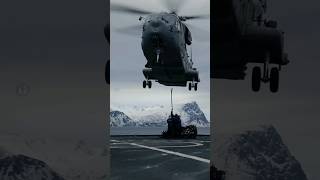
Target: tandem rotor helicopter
(165, 38)
(243, 34)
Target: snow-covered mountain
(256, 154)
(20, 167)
(156, 116)
(192, 114)
(120, 119)
(71, 159)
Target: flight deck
(150, 157)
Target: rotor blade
(135, 30)
(127, 9)
(174, 5)
(195, 17)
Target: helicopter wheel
(144, 84)
(107, 72)
(256, 79)
(274, 80)
(149, 84)
(193, 85)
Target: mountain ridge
(258, 153)
(156, 116)
(14, 167)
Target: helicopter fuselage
(164, 44)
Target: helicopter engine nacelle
(266, 39)
(193, 75)
(188, 37)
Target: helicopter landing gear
(274, 80)
(272, 77)
(147, 83)
(256, 79)
(193, 85)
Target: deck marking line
(173, 153)
(193, 144)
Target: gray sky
(295, 109)
(128, 61)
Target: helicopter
(165, 38)
(243, 34)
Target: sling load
(175, 129)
